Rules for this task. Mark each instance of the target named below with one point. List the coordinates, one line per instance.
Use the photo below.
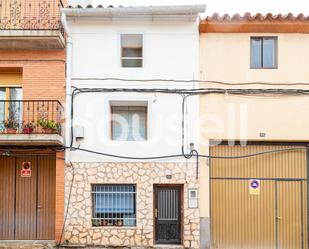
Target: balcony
(31, 24)
(31, 122)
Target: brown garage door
(27, 204)
(275, 216)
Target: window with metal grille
(113, 205)
(131, 50)
(263, 52)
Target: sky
(224, 6)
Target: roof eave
(154, 13)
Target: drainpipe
(68, 118)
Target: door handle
(156, 213)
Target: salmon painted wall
(225, 57)
(43, 77)
(43, 72)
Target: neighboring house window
(129, 123)
(114, 205)
(10, 107)
(131, 50)
(263, 52)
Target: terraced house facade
(152, 127)
(32, 94)
(132, 195)
(256, 196)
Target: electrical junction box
(79, 132)
(192, 198)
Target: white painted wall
(170, 52)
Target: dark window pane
(269, 52)
(132, 52)
(256, 53)
(132, 62)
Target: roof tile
(257, 18)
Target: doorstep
(76, 246)
(168, 246)
(73, 246)
(27, 244)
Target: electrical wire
(255, 154)
(197, 91)
(194, 81)
(193, 153)
(184, 93)
(126, 157)
(187, 156)
(189, 92)
(68, 205)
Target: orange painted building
(32, 97)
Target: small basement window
(114, 205)
(264, 52)
(129, 123)
(132, 50)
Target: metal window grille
(168, 204)
(41, 114)
(113, 205)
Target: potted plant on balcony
(28, 127)
(10, 125)
(48, 126)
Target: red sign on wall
(25, 169)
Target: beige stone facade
(79, 228)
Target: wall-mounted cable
(194, 81)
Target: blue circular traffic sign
(255, 184)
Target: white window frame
(132, 32)
(130, 101)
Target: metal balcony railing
(31, 117)
(30, 15)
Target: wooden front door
(27, 203)
(167, 212)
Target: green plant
(47, 123)
(10, 124)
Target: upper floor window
(263, 52)
(131, 50)
(10, 106)
(129, 123)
